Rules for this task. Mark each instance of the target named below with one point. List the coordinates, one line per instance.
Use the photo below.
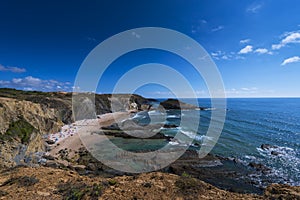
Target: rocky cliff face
(25, 116)
(85, 104)
(61, 102)
(22, 125)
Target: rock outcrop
(26, 116)
(277, 191)
(174, 104)
(22, 125)
(62, 103)
(50, 183)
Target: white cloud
(214, 54)
(289, 38)
(291, 60)
(263, 51)
(225, 57)
(245, 41)
(254, 8)
(33, 83)
(12, 69)
(4, 82)
(249, 89)
(220, 55)
(28, 81)
(276, 46)
(217, 28)
(16, 80)
(246, 49)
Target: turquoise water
(249, 124)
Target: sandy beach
(70, 137)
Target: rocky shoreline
(224, 173)
(33, 113)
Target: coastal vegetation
(19, 130)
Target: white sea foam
(210, 109)
(250, 157)
(195, 136)
(177, 142)
(173, 143)
(173, 128)
(155, 112)
(138, 116)
(173, 116)
(285, 165)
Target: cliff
(26, 116)
(61, 102)
(22, 125)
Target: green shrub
(112, 182)
(186, 175)
(19, 129)
(188, 185)
(78, 191)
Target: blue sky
(255, 44)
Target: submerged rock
(275, 153)
(170, 126)
(218, 171)
(122, 134)
(259, 167)
(267, 146)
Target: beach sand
(79, 131)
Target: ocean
(250, 122)
(255, 121)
